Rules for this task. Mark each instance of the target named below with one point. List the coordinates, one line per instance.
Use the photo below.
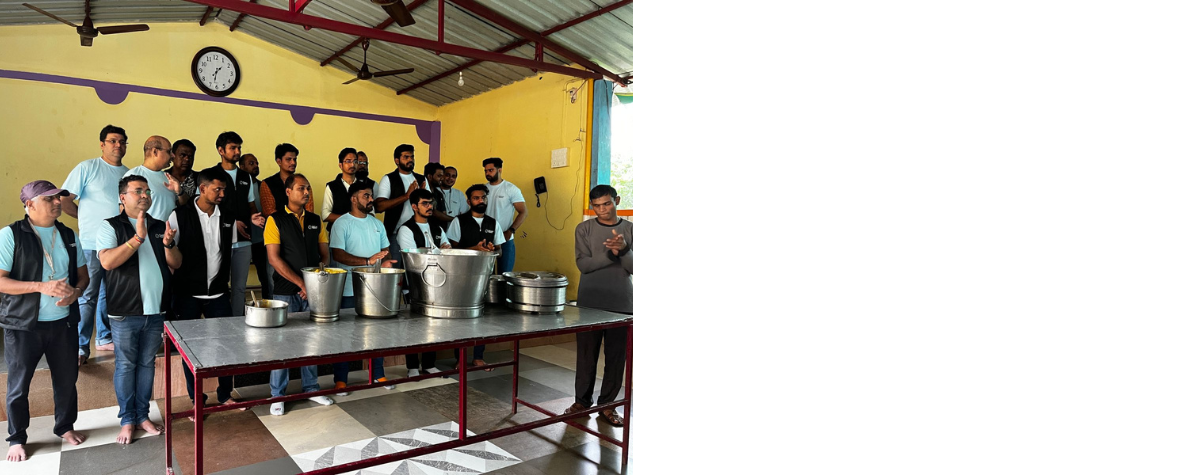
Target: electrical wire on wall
(580, 139)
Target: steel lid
(447, 252)
(536, 279)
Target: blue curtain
(601, 132)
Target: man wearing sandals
(42, 275)
(604, 255)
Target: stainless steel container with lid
(536, 292)
(497, 292)
(325, 286)
(448, 283)
(377, 292)
(266, 313)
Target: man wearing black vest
(42, 275)
(337, 191)
(295, 239)
(392, 193)
(478, 232)
(202, 284)
(271, 192)
(240, 198)
(433, 175)
(475, 230)
(139, 253)
(363, 171)
(416, 233)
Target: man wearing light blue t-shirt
(163, 186)
(42, 275)
(358, 239)
(139, 254)
(94, 183)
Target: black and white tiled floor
(365, 423)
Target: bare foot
(73, 438)
(126, 435)
(16, 453)
(482, 363)
(233, 401)
(151, 428)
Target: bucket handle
(426, 279)
(367, 284)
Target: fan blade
(85, 41)
(346, 64)
(350, 81)
(112, 30)
(394, 72)
(400, 13)
(51, 15)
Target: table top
(221, 342)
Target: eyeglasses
(362, 163)
(116, 142)
(145, 192)
(350, 161)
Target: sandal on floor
(610, 416)
(576, 407)
(478, 363)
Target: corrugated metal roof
(606, 40)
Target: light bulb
(460, 79)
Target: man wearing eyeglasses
(93, 183)
(241, 199)
(164, 187)
(139, 252)
(337, 191)
(364, 170)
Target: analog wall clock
(216, 72)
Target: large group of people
(163, 241)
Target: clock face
(215, 71)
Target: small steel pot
(267, 313)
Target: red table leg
(167, 395)
(462, 392)
(198, 414)
(628, 394)
(516, 364)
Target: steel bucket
(325, 287)
(377, 293)
(267, 313)
(497, 293)
(448, 283)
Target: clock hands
(215, 73)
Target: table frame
(199, 411)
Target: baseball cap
(38, 188)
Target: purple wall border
(113, 93)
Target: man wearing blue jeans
(503, 199)
(139, 254)
(295, 239)
(357, 239)
(94, 183)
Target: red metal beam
(360, 39)
(285, 16)
(204, 19)
(238, 21)
(510, 25)
(518, 43)
(297, 6)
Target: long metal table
(227, 346)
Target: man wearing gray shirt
(604, 255)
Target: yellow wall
(49, 128)
(522, 123)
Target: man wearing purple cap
(39, 255)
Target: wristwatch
(170, 246)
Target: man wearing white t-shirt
(94, 183)
(241, 202)
(503, 199)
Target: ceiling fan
(364, 73)
(87, 32)
(396, 10)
